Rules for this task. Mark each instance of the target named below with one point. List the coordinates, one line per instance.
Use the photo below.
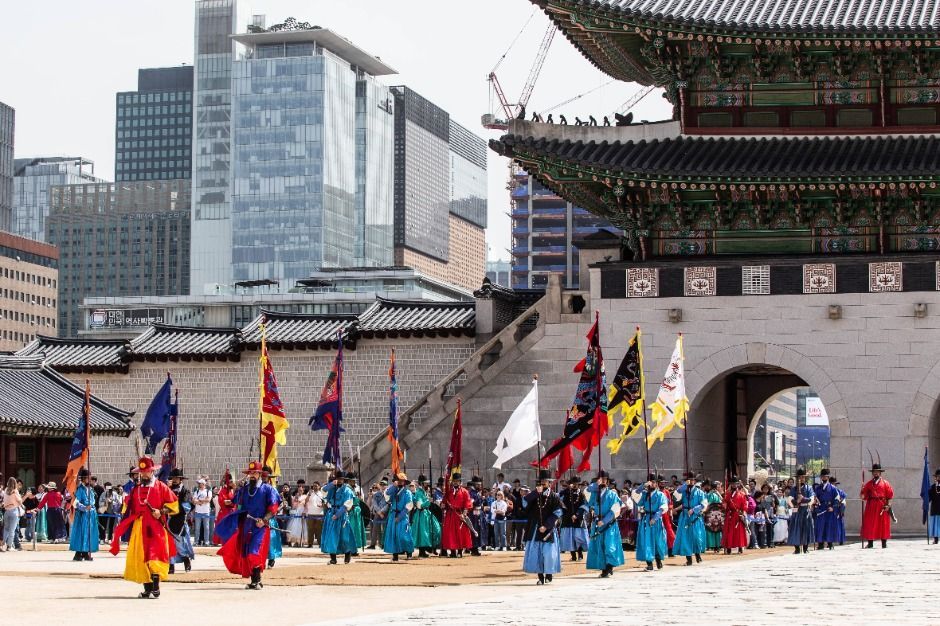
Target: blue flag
(168, 461)
(925, 488)
(156, 425)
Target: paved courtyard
(848, 585)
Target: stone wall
(219, 401)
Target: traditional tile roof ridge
(301, 330)
(397, 318)
(164, 341)
(80, 355)
(743, 157)
(875, 17)
(35, 399)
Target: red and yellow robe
(150, 547)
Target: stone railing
(441, 402)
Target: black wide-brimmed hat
(876, 467)
(825, 472)
(456, 476)
(574, 480)
(422, 478)
(177, 473)
(545, 474)
(801, 472)
(688, 475)
(602, 474)
(83, 473)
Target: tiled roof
(391, 318)
(300, 330)
(35, 399)
(886, 17)
(162, 341)
(79, 355)
(744, 157)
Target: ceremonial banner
(671, 405)
(587, 421)
(455, 452)
(626, 394)
(329, 413)
(925, 488)
(273, 420)
(168, 460)
(81, 442)
(156, 425)
(397, 455)
(522, 431)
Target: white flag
(522, 431)
(671, 404)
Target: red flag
(456, 443)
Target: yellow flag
(626, 395)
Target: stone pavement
(848, 585)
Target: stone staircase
(490, 385)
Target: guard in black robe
(542, 510)
(574, 535)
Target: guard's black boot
(541, 579)
(270, 562)
(698, 558)
(727, 550)
(460, 554)
(88, 556)
(475, 552)
(148, 589)
(606, 572)
(574, 555)
(77, 557)
(796, 550)
(659, 563)
(805, 548)
(255, 579)
(871, 544)
(830, 545)
(347, 558)
(332, 559)
(422, 553)
(649, 566)
(819, 546)
(670, 554)
(155, 583)
(581, 554)
(935, 541)
(740, 550)
(394, 558)
(884, 543)
(172, 569)
(548, 578)
(187, 564)
(688, 560)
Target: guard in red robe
(455, 535)
(876, 518)
(667, 516)
(150, 547)
(734, 533)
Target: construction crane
(511, 111)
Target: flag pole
(88, 425)
(646, 430)
(264, 360)
(538, 446)
(599, 390)
(685, 427)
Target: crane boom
(537, 65)
(635, 98)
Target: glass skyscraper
(31, 181)
(211, 147)
(6, 166)
(153, 134)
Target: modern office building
(28, 298)
(312, 156)
(7, 116)
(154, 125)
(212, 146)
(347, 291)
(544, 227)
(32, 179)
(119, 239)
(499, 272)
(440, 192)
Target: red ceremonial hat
(254, 466)
(145, 464)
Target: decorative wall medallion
(643, 282)
(700, 281)
(819, 278)
(884, 277)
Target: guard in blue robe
(337, 536)
(801, 520)
(574, 533)
(650, 532)
(841, 511)
(398, 538)
(246, 531)
(826, 513)
(542, 509)
(276, 541)
(690, 535)
(177, 525)
(605, 551)
(933, 522)
(83, 539)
